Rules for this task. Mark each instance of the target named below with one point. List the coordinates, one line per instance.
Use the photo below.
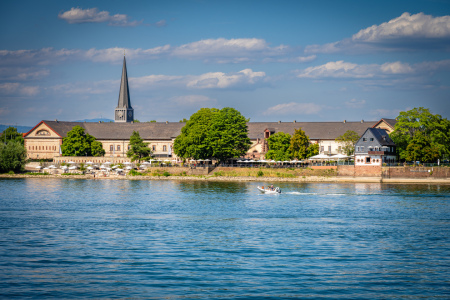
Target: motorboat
(267, 190)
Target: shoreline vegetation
(300, 179)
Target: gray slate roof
(380, 136)
(163, 131)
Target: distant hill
(21, 129)
(95, 120)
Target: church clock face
(120, 114)
(130, 114)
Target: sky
(273, 61)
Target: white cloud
(353, 103)
(385, 113)
(93, 15)
(221, 80)
(341, 69)
(17, 89)
(410, 32)
(416, 26)
(294, 108)
(338, 69)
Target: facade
(374, 148)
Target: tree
(97, 149)
(299, 144)
(418, 126)
(79, 143)
(138, 149)
(349, 139)
(228, 134)
(279, 144)
(13, 157)
(313, 149)
(183, 121)
(11, 134)
(213, 133)
(421, 148)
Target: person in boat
(271, 187)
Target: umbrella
(52, 167)
(107, 163)
(90, 168)
(38, 167)
(119, 169)
(71, 162)
(64, 167)
(89, 162)
(320, 156)
(45, 169)
(339, 156)
(72, 167)
(128, 163)
(128, 168)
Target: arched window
(118, 147)
(43, 132)
(111, 148)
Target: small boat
(267, 190)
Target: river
(120, 239)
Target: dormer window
(43, 132)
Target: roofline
(382, 119)
(40, 124)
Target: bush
(260, 173)
(218, 173)
(166, 174)
(134, 173)
(36, 174)
(11, 173)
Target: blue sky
(271, 60)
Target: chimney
(362, 121)
(56, 120)
(295, 121)
(279, 122)
(345, 121)
(167, 122)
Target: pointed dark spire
(124, 112)
(124, 94)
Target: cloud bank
(93, 15)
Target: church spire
(124, 112)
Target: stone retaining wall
(416, 172)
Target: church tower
(124, 112)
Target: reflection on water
(176, 239)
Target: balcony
(377, 152)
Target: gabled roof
(124, 94)
(380, 135)
(43, 122)
(390, 122)
(315, 130)
(165, 131)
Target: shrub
(134, 173)
(260, 173)
(166, 174)
(11, 172)
(218, 173)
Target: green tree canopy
(279, 144)
(79, 143)
(213, 133)
(419, 126)
(299, 144)
(138, 149)
(349, 139)
(13, 157)
(11, 134)
(313, 149)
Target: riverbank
(331, 179)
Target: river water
(108, 239)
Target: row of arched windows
(53, 148)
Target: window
(129, 147)
(111, 148)
(364, 139)
(164, 148)
(118, 147)
(42, 132)
(362, 148)
(371, 139)
(367, 160)
(321, 148)
(329, 149)
(153, 148)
